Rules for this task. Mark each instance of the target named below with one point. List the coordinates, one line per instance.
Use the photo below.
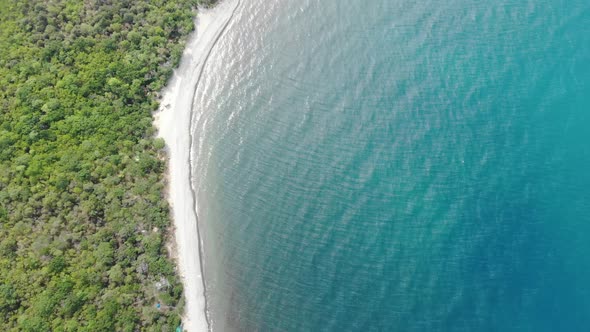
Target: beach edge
(173, 123)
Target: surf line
(220, 33)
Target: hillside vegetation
(83, 221)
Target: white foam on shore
(173, 123)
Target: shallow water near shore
(393, 165)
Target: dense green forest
(83, 221)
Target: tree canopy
(83, 219)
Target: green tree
(81, 184)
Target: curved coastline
(173, 121)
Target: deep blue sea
(397, 165)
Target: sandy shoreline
(173, 123)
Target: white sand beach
(173, 122)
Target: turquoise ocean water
(396, 165)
